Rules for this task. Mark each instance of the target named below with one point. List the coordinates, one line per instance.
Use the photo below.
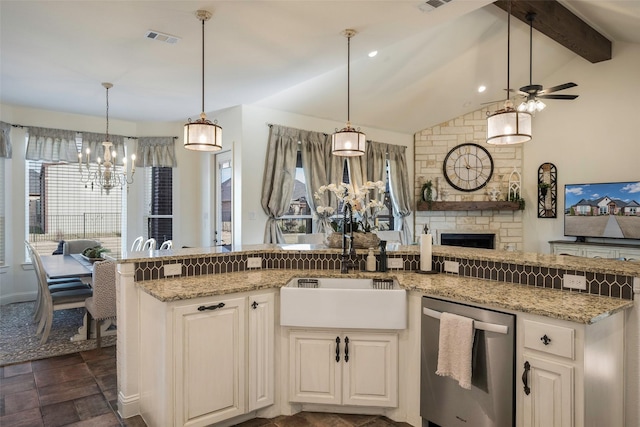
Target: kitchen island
(509, 281)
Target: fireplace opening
(469, 240)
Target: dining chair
(167, 244)
(149, 244)
(101, 305)
(53, 301)
(54, 285)
(77, 246)
(137, 244)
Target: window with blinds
(61, 207)
(3, 232)
(159, 202)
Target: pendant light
(202, 134)
(508, 126)
(348, 142)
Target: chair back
(167, 244)
(137, 244)
(102, 305)
(149, 244)
(77, 246)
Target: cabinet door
(314, 372)
(370, 369)
(261, 351)
(600, 252)
(209, 361)
(550, 402)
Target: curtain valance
(93, 141)
(53, 145)
(156, 151)
(5, 140)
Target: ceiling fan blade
(557, 88)
(558, 96)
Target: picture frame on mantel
(547, 191)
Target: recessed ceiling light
(373, 53)
(482, 88)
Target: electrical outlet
(172, 269)
(572, 281)
(452, 267)
(395, 263)
(254, 262)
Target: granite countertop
(565, 305)
(594, 265)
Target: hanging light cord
(349, 79)
(107, 113)
(508, 46)
(203, 65)
(530, 17)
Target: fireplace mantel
(469, 206)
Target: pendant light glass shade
(348, 142)
(508, 126)
(202, 134)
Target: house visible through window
(298, 219)
(2, 213)
(159, 202)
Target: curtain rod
(270, 125)
(79, 131)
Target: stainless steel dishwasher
(491, 400)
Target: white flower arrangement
(358, 199)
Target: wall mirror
(547, 191)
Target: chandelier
(348, 142)
(508, 126)
(105, 173)
(202, 134)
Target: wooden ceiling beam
(561, 25)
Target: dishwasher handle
(489, 327)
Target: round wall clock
(468, 167)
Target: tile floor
(80, 390)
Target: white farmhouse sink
(343, 303)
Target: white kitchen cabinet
(209, 361)
(573, 372)
(593, 250)
(206, 360)
(343, 368)
(261, 381)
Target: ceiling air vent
(161, 37)
(430, 5)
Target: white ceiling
(286, 55)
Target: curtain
(156, 151)
(400, 190)
(317, 163)
(376, 166)
(93, 141)
(5, 140)
(54, 145)
(278, 178)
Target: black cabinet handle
(525, 378)
(346, 349)
(254, 305)
(337, 349)
(545, 339)
(211, 307)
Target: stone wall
(431, 147)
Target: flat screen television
(607, 210)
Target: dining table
(65, 266)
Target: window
(224, 201)
(159, 202)
(2, 212)
(60, 207)
(298, 219)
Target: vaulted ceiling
(286, 55)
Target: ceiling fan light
(508, 126)
(522, 107)
(348, 142)
(540, 105)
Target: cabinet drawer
(559, 340)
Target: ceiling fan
(533, 93)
